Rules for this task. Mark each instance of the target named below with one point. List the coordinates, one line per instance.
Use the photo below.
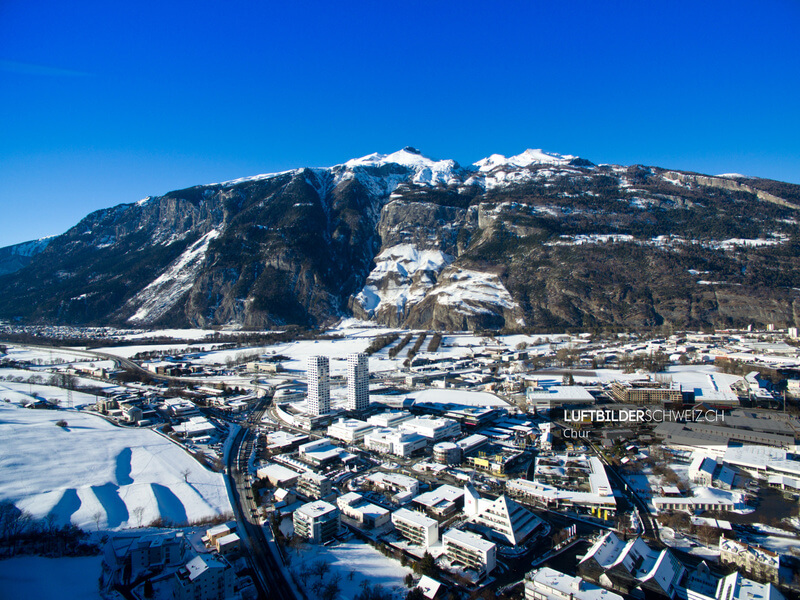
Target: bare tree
(185, 472)
(138, 513)
(97, 517)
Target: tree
(415, 594)
(138, 513)
(185, 472)
(427, 565)
(409, 580)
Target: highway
(269, 577)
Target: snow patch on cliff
(161, 295)
(402, 276)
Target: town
(371, 462)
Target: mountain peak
(527, 158)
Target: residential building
(314, 485)
(632, 567)
(548, 584)
(440, 503)
(205, 577)
(126, 555)
(502, 518)
(318, 522)
(470, 550)
(753, 560)
(647, 392)
(737, 587)
(357, 381)
(363, 513)
(228, 544)
(319, 385)
(220, 531)
(416, 527)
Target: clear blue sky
(108, 102)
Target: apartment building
(470, 550)
(416, 527)
(318, 522)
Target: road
(648, 522)
(269, 577)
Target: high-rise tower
(319, 385)
(357, 381)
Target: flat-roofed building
(228, 544)
(647, 392)
(549, 584)
(416, 527)
(543, 398)
(694, 503)
(472, 443)
(314, 485)
(389, 418)
(394, 441)
(470, 550)
(133, 554)
(442, 502)
(205, 577)
(351, 431)
(433, 428)
(447, 453)
(278, 475)
(365, 514)
(220, 531)
(394, 482)
(318, 522)
(320, 453)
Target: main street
(269, 576)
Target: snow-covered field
(355, 562)
(23, 392)
(50, 578)
(99, 476)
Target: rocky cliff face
(533, 241)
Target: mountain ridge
(537, 240)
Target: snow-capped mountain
(536, 240)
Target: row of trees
(20, 533)
(380, 342)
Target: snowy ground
(50, 578)
(23, 393)
(99, 476)
(355, 562)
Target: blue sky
(104, 102)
